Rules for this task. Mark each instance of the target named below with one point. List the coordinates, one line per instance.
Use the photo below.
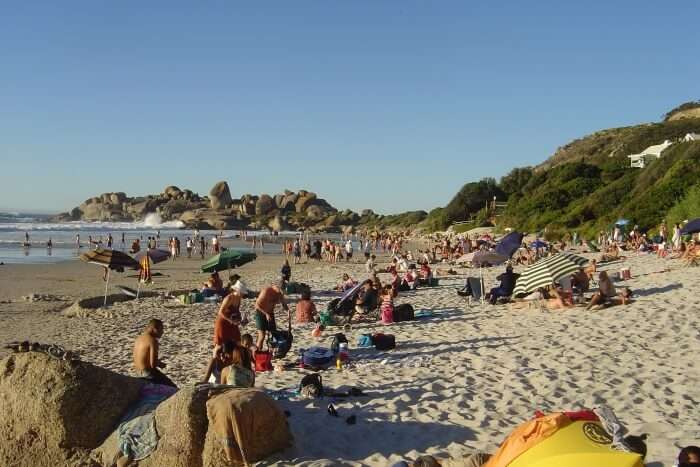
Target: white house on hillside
(639, 160)
(691, 137)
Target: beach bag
(263, 360)
(318, 357)
(384, 341)
(280, 343)
(311, 386)
(325, 318)
(197, 297)
(337, 340)
(420, 314)
(364, 340)
(185, 299)
(403, 312)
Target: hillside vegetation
(588, 184)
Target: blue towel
(137, 433)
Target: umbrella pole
(106, 287)
(483, 287)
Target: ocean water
(15, 227)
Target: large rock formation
(219, 211)
(182, 425)
(220, 196)
(52, 412)
(265, 205)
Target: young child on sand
(240, 373)
(387, 308)
(689, 455)
(219, 362)
(306, 310)
(247, 343)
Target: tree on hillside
(515, 180)
(472, 197)
(682, 107)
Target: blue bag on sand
(318, 357)
(423, 314)
(365, 340)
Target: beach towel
(137, 433)
(249, 422)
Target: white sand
(457, 383)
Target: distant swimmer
(49, 244)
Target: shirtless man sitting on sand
(265, 311)
(146, 354)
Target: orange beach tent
(556, 441)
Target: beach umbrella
(488, 257)
(352, 293)
(509, 244)
(228, 259)
(109, 259)
(622, 222)
(547, 271)
(154, 254)
(691, 227)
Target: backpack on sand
(311, 386)
(384, 341)
(403, 312)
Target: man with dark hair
(146, 359)
(508, 280)
(689, 455)
(367, 299)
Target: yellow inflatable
(578, 444)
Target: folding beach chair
(475, 286)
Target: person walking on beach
(215, 244)
(268, 298)
(296, 250)
(177, 246)
(123, 241)
(676, 239)
(146, 359)
(110, 240)
(77, 240)
(348, 250)
(202, 246)
(189, 245)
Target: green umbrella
(228, 259)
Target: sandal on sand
(332, 411)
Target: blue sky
(388, 105)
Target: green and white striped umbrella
(547, 271)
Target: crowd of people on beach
(235, 355)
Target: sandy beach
(457, 383)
